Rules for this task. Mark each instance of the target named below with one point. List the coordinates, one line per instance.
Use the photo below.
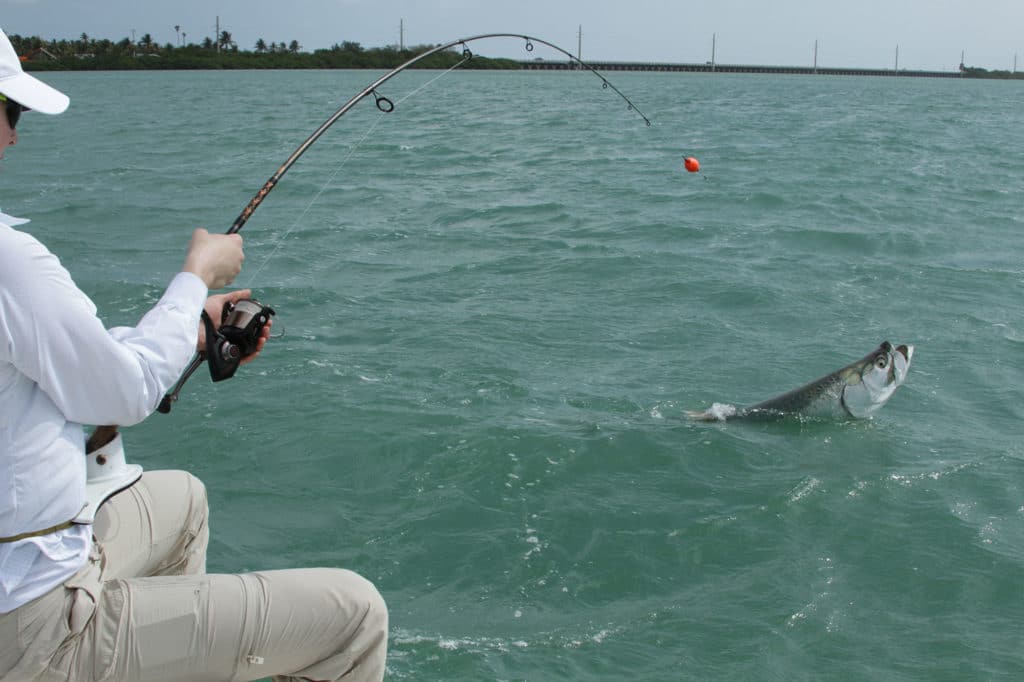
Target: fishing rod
(246, 319)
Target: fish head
(870, 382)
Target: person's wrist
(197, 269)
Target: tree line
(975, 72)
(88, 53)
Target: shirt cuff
(186, 292)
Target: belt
(38, 533)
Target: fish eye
(882, 361)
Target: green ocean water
(496, 303)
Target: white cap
(26, 90)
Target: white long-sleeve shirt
(59, 369)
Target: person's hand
(214, 258)
(215, 308)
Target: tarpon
(857, 390)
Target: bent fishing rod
(225, 352)
(387, 106)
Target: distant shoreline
(89, 54)
(755, 68)
(484, 63)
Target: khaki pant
(143, 608)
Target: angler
(857, 390)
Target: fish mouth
(906, 351)
(901, 363)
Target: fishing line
(386, 106)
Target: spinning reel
(241, 325)
(239, 332)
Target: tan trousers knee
(143, 609)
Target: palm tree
(146, 43)
(294, 47)
(177, 32)
(261, 46)
(225, 41)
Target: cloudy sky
(927, 34)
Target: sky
(908, 34)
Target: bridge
(708, 67)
